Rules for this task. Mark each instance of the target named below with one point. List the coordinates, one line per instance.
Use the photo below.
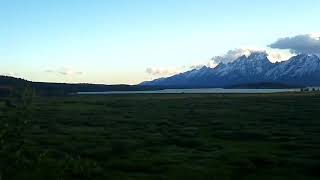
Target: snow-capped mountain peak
(303, 69)
(258, 56)
(253, 65)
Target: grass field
(183, 136)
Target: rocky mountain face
(303, 70)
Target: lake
(194, 91)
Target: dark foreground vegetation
(148, 137)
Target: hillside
(49, 89)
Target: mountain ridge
(300, 70)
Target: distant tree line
(309, 89)
(9, 84)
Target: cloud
(281, 50)
(208, 63)
(163, 71)
(64, 71)
(11, 74)
(306, 43)
(234, 54)
(276, 55)
(230, 56)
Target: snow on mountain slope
(300, 70)
(297, 66)
(254, 65)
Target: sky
(130, 41)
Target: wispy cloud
(169, 71)
(163, 71)
(64, 71)
(228, 57)
(306, 43)
(12, 74)
(232, 55)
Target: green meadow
(148, 136)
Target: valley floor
(183, 136)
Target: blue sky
(115, 41)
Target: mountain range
(300, 70)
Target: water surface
(194, 91)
